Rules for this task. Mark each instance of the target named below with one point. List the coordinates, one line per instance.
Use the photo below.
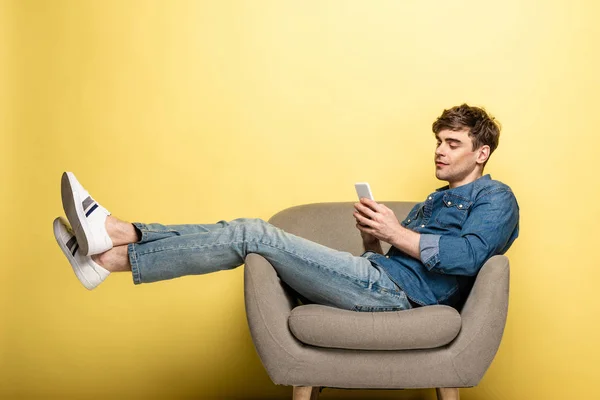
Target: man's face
(455, 160)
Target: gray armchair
(311, 346)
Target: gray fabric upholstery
(460, 363)
(418, 328)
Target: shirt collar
(485, 177)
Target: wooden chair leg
(447, 393)
(306, 393)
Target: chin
(441, 176)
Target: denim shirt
(461, 228)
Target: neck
(473, 176)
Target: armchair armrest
(483, 320)
(268, 307)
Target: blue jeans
(320, 274)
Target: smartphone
(363, 190)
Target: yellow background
(191, 112)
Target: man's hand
(376, 221)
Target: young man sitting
(437, 250)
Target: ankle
(102, 261)
(120, 232)
(113, 260)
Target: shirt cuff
(429, 247)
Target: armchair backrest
(331, 224)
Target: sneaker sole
(75, 213)
(58, 227)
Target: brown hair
(483, 128)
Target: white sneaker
(86, 216)
(87, 271)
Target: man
(436, 251)
(444, 241)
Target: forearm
(407, 241)
(373, 246)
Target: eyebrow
(448, 139)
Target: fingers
(363, 228)
(362, 220)
(369, 202)
(359, 217)
(366, 210)
(372, 204)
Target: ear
(483, 153)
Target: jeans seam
(353, 279)
(133, 260)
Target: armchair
(313, 346)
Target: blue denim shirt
(461, 228)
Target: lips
(440, 163)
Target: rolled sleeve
(429, 248)
(487, 232)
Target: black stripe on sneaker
(75, 249)
(86, 203)
(87, 214)
(70, 243)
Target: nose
(439, 151)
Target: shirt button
(408, 220)
(449, 203)
(429, 197)
(422, 226)
(460, 206)
(387, 256)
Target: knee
(260, 225)
(247, 220)
(254, 228)
(255, 221)
(251, 221)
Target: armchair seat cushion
(417, 328)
